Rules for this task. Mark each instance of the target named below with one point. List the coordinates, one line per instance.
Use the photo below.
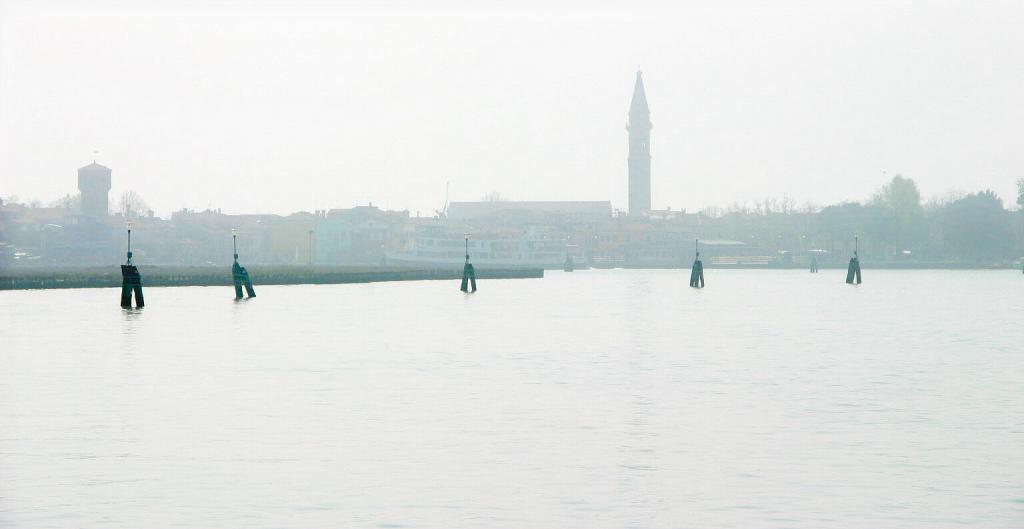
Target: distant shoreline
(867, 265)
(170, 276)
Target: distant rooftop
(471, 210)
(94, 167)
(721, 242)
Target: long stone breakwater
(170, 276)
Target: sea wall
(167, 276)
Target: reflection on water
(590, 399)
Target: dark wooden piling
(814, 265)
(853, 270)
(249, 290)
(468, 274)
(697, 273)
(240, 278)
(131, 280)
(468, 279)
(239, 275)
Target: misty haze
(359, 264)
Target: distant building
(569, 210)
(94, 185)
(333, 241)
(290, 240)
(639, 128)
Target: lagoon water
(593, 399)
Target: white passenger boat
(443, 251)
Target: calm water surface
(597, 399)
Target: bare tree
(72, 202)
(900, 195)
(494, 196)
(713, 212)
(809, 208)
(945, 199)
(788, 204)
(132, 205)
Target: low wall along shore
(170, 276)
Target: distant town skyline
(302, 107)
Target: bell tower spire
(639, 128)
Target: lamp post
(234, 241)
(129, 226)
(130, 280)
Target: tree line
(893, 224)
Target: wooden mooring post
(697, 273)
(468, 274)
(853, 271)
(239, 274)
(131, 281)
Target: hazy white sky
(285, 106)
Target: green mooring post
(853, 271)
(697, 274)
(468, 274)
(131, 281)
(568, 263)
(814, 265)
(238, 272)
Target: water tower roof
(94, 167)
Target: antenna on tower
(94, 153)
